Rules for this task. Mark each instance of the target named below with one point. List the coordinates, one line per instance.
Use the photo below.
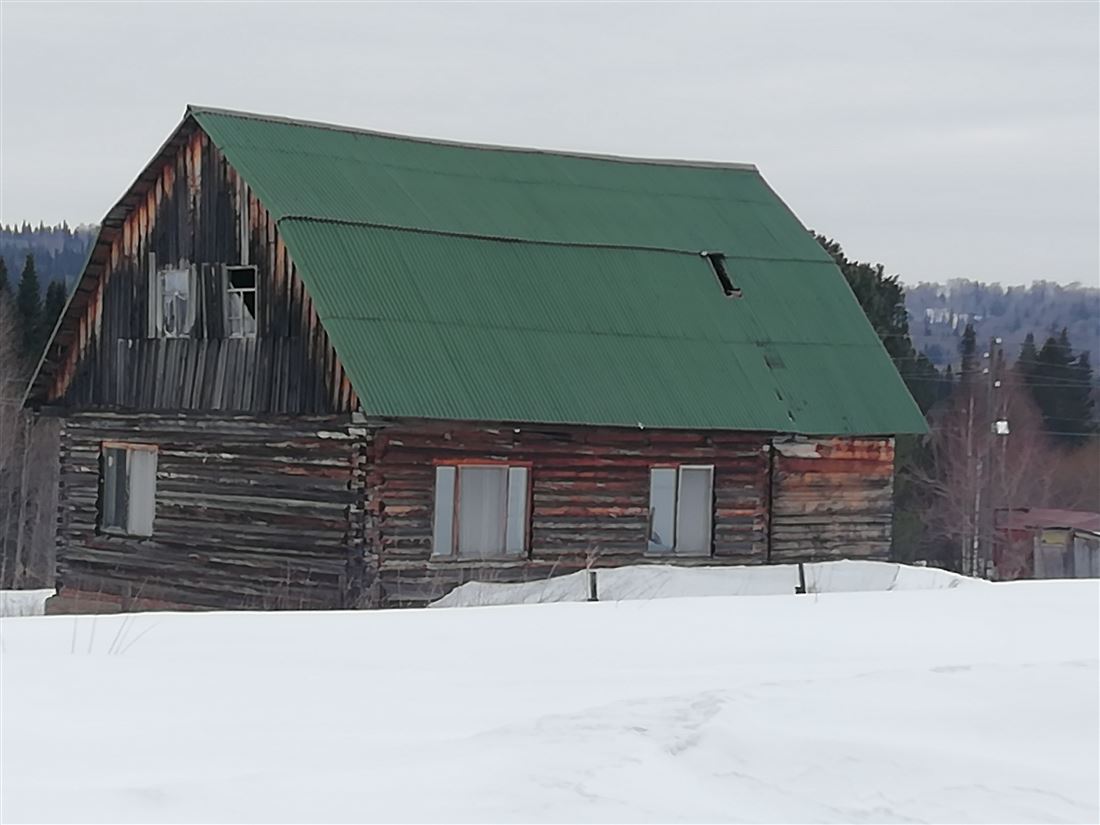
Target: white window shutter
(515, 540)
(662, 508)
(695, 510)
(443, 522)
(142, 484)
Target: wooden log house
(309, 366)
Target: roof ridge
(193, 109)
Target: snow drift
(23, 602)
(654, 581)
(963, 704)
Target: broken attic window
(718, 264)
(240, 301)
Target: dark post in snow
(593, 596)
(801, 587)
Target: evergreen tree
(1026, 364)
(3, 274)
(1062, 387)
(28, 306)
(968, 354)
(51, 311)
(1080, 406)
(946, 384)
(882, 299)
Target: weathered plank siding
(832, 498)
(193, 209)
(589, 499)
(249, 513)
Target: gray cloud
(942, 139)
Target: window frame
(452, 553)
(228, 290)
(126, 529)
(160, 275)
(674, 550)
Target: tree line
(59, 251)
(939, 313)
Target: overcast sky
(944, 140)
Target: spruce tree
(28, 306)
(1080, 404)
(882, 298)
(1062, 387)
(1026, 364)
(51, 311)
(968, 354)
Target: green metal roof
(475, 283)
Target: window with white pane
(480, 511)
(175, 299)
(681, 509)
(240, 301)
(127, 490)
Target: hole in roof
(718, 264)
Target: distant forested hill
(939, 313)
(59, 251)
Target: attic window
(718, 264)
(171, 300)
(240, 301)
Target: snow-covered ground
(23, 602)
(963, 704)
(654, 581)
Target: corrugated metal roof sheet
(472, 283)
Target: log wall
(250, 513)
(319, 512)
(589, 499)
(779, 502)
(832, 498)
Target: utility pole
(968, 551)
(998, 430)
(981, 456)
